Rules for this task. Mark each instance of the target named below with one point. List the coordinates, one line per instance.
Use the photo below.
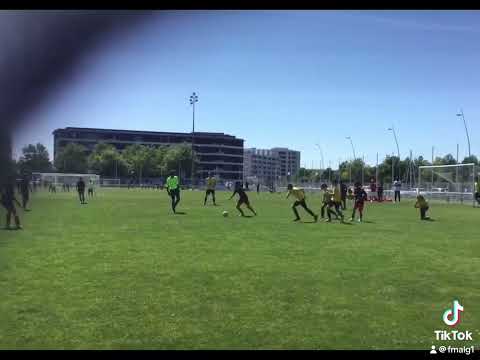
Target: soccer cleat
(351, 219)
(328, 220)
(297, 219)
(359, 220)
(316, 218)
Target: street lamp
(354, 157)
(353, 148)
(466, 130)
(392, 129)
(193, 100)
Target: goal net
(109, 182)
(60, 179)
(448, 182)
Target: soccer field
(124, 272)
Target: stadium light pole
(392, 129)
(193, 100)
(354, 157)
(353, 148)
(466, 130)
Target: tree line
(404, 170)
(143, 161)
(137, 161)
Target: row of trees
(142, 161)
(136, 160)
(356, 167)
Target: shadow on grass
(429, 219)
(180, 213)
(368, 222)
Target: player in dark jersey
(8, 201)
(243, 198)
(25, 191)
(81, 190)
(359, 196)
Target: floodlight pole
(398, 149)
(193, 100)
(466, 131)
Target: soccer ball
(225, 213)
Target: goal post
(448, 182)
(110, 182)
(60, 179)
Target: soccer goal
(110, 182)
(451, 183)
(60, 179)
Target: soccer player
(211, 184)
(380, 192)
(173, 189)
(477, 191)
(299, 193)
(337, 199)
(81, 190)
(360, 196)
(7, 201)
(258, 188)
(91, 186)
(397, 186)
(25, 190)
(422, 204)
(343, 192)
(242, 198)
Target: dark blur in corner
(39, 50)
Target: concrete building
(266, 165)
(217, 152)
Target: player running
(422, 204)
(337, 200)
(81, 190)
(299, 194)
(7, 200)
(243, 198)
(173, 189)
(211, 184)
(360, 196)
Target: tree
(72, 159)
(179, 158)
(107, 161)
(136, 157)
(35, 158)
(470, 159)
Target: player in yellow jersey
(422, 204)
(211, 184)
(299, 194)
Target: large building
(216, 152)
(270, 164)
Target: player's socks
(315, 217)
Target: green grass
(123, 272)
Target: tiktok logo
(451, 317)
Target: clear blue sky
(285, 78)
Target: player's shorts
(243, 200)
(359, 205)
(8, 205)
(300, 202)
(210, 191)
(175, 192)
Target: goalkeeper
(173, 189)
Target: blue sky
(285, 78)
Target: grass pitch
(124, 272)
